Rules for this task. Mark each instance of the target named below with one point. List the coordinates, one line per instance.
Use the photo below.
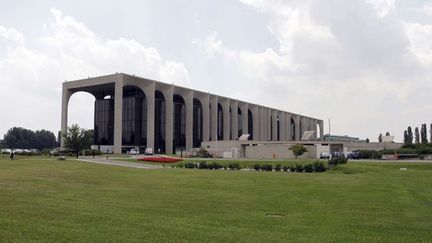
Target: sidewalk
(119, 163)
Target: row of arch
(147, 106)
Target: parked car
(337, 155)
(134, 151)
(325, 155)
(353, 155)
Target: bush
(319, 166)
(214, 166)
(285, 168)
(234, 166)
(297, 168)
(308, 168)
(369, 154)
(267, 168)
(202, 165)
(203, 153)
(189, 165)
(257, 167)
(278, 167)
(337, 161)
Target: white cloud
(355, 61)
(32, 76)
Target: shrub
(369, 154)
(298, 168)
(285, 168)
(203, 153)
(338, 161)
(278, 167)
(308, 168)
(319, 166)
(234, 166)
(202, 165)
(189, 165)
(214, 166)
(257, 167)
(267, 168)
(298, 150)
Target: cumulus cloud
(68, 50)
(355, 61)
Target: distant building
(338, 138)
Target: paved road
(119, 163)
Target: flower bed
(160, 159)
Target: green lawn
(48, 200)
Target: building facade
(136, 112)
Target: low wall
(277, 151)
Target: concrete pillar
(288, 126)
(268, 124)
(150, 98)
(226, 119)
(169, 119)
(282, 125)
(261, 124)
(66, 94)
(255, 118)
(234, 120)
(321, 126)
(297, 128)
(118, 113)
(244, 109)
(189, 120)
(205, 102)
(274, 125)
(213, 117)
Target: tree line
(21, 138)
(420, 136)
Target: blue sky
(366, 64)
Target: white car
(134, 152)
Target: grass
(48, 200)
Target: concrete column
(169, 119)
(321, 126)
(288, 126)
(189, 120)
(268, 124)
(244, 110)
(261, 124)
(205, 102)
(213, 117)
(256, 124)
(274, 125)
(66, 94)
(234, 120)
(118, 113)
(282, 126)
(150, 98)
(226, 120)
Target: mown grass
(49, 200)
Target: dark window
(220, 120)
(104, 122)
(240, 123)
(197, 123)
(159, 123)
(250, 124)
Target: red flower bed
(160, 159)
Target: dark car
(353, 155)
(337, 155)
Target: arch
(239, 122)
(220, 122)
(292, 129)
(160, 120)
(134, 117)
(79, 108)
(198, 119)
(250, 124)
(179, 123)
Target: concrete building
(136, 112)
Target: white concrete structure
(136, 112)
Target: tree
(417, 135)
(18, 137)
(430, 131)
(423, 134)
(410, 135)
(77, 139)
(380, 138)
(45, 139)
(367, 140)
(405, 137)
(298, 150)
(387, 134)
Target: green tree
(298, 150)
(45, 139)
(423, 134)
(387, 134)
(430, 131)
(77, 139)
(410, 135)
(18, 137)
(367, 140)
(380, 138)
(405, 137)
(416, 135)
